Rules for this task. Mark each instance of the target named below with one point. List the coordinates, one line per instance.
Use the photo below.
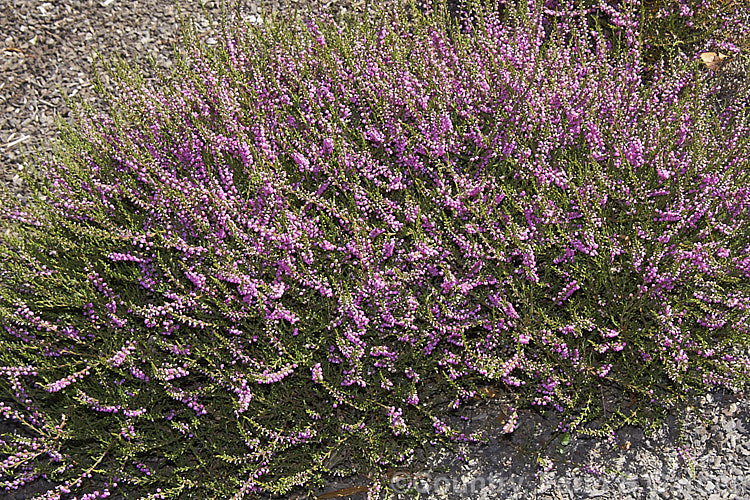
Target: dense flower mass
(319, 236)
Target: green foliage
(141, 290)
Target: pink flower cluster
(419, 208)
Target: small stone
(730, 410)
(628, 486)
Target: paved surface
(46, 45)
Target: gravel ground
(46, 47)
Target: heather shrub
(666, 30)
(669, 27)
(684, 27)
(292, 257)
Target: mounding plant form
(290, 258)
